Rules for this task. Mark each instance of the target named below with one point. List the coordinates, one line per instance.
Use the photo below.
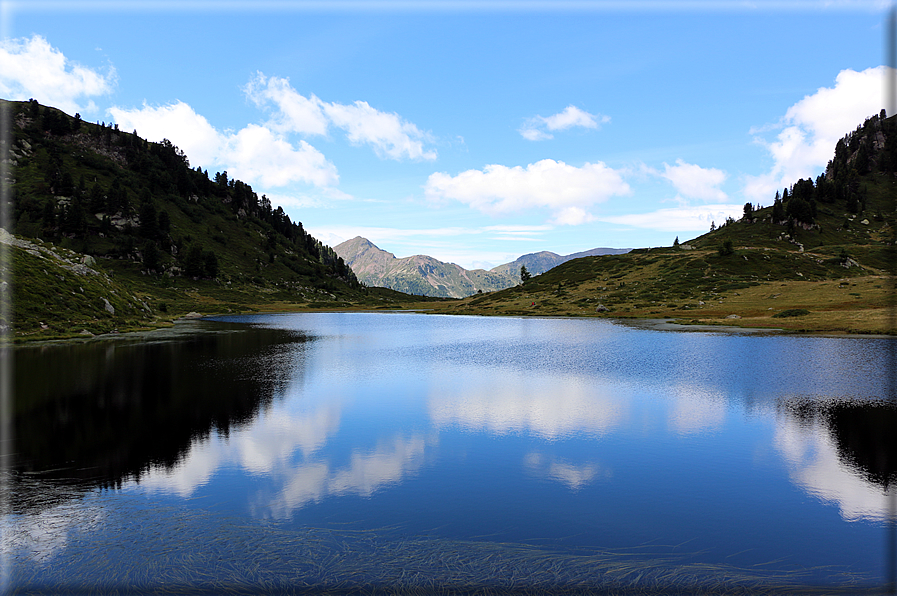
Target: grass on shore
(701, 288)
(753, 288)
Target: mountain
(419, 274)
(427, 276)
(540, 262)
(820, 257)
(109, 231)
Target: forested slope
(173, 237)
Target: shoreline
(169, 329)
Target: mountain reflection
(842, 451)
(105, 411)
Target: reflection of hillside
(867, 439)
(121, 407)
(844, 452)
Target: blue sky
(471, 132)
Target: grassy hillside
(114, 233)
(820, 258)
(162, 238)
(540, 262)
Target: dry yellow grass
(847, 305)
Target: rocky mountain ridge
(426, 276)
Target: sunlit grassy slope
(832, 274)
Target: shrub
(726, 248)
(791, 312)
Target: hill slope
(540, 262)
(170, 237)
(820, 257)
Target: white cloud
(389, 134)
(323, 198)
(296, 112)
(572, 216)
(32, 68)
(178, 123)
(533, 134)
(514, 231)
(812, 127)
(264, 154)
(679, 219)
(498, 190)
(388, 464)
(255, 154)
(696, 182)
(570, 117)
(573, 116)
(377, 234)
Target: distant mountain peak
(425, 275)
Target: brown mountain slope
(418, 274)
(424, 275)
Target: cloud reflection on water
(296, 449)
(366, 473)
(285, 447)
(551, 407)
(573, 476)
(815, 464)
(38, 537)
(696, 410)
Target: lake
(403, 452)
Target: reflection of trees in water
(103, 412)
(865, 434)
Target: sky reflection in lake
(563, 433)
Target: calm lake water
(357, 451)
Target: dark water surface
(354, 451)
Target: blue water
(523, 445)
